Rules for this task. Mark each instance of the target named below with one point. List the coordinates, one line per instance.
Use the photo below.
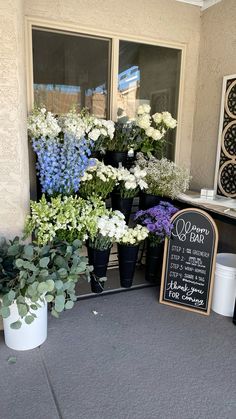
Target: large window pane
(71, 70)
(148, 74)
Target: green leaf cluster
(67, 218)
(31, 274)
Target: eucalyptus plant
(31, 274)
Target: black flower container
(115, 158)
(97, 155)
(96, 286)
(124, 205)
(127, 255)
(147, 201)
(99, 259)
(154, 259)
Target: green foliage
(67, 218)
(31, 274)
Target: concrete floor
(134, 359)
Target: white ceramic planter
(28, 336)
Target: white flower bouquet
(98, 180)
(100, 131)
(110, 228)
(130, 182)
(163, 176)
(134, 236)
(153, 129)
(42, 123)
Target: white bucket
(224, 292)
(29, 336)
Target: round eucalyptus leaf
(50, 285)
(62, 272)
(42, 287)
(22, 309)
(5, 312)
(29, 251)
(29, 319)
(49, 298)
(54, 313)
(16, 325)
(43, 263)
(69, 305)
(19, 263)
(58, 284)
(11, 295)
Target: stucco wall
(14, 175)
(163, 20)
(217, 59)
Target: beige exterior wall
(157, 20)
(164, 21)
(14, 174)
(217, 59)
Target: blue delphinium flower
(61, 163)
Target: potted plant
(158, 222)
(153, 130)
(98, 180)
(30, 277)
(128, 247)
(164, 180)
(122, 149)
(129, 183)
(110, 228)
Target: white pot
(224, 292)
(29, 336)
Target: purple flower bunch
(157, 220)
(61, 163)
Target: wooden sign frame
(182, 306)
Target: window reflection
(72, 71)
(148, 74)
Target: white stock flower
(157, 117)
(168, 120)
(157, 135)
(146, 108)
(143, 121)
(140, 110)
(149, 131)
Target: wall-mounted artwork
(225, 175)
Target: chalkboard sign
(189, 261)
